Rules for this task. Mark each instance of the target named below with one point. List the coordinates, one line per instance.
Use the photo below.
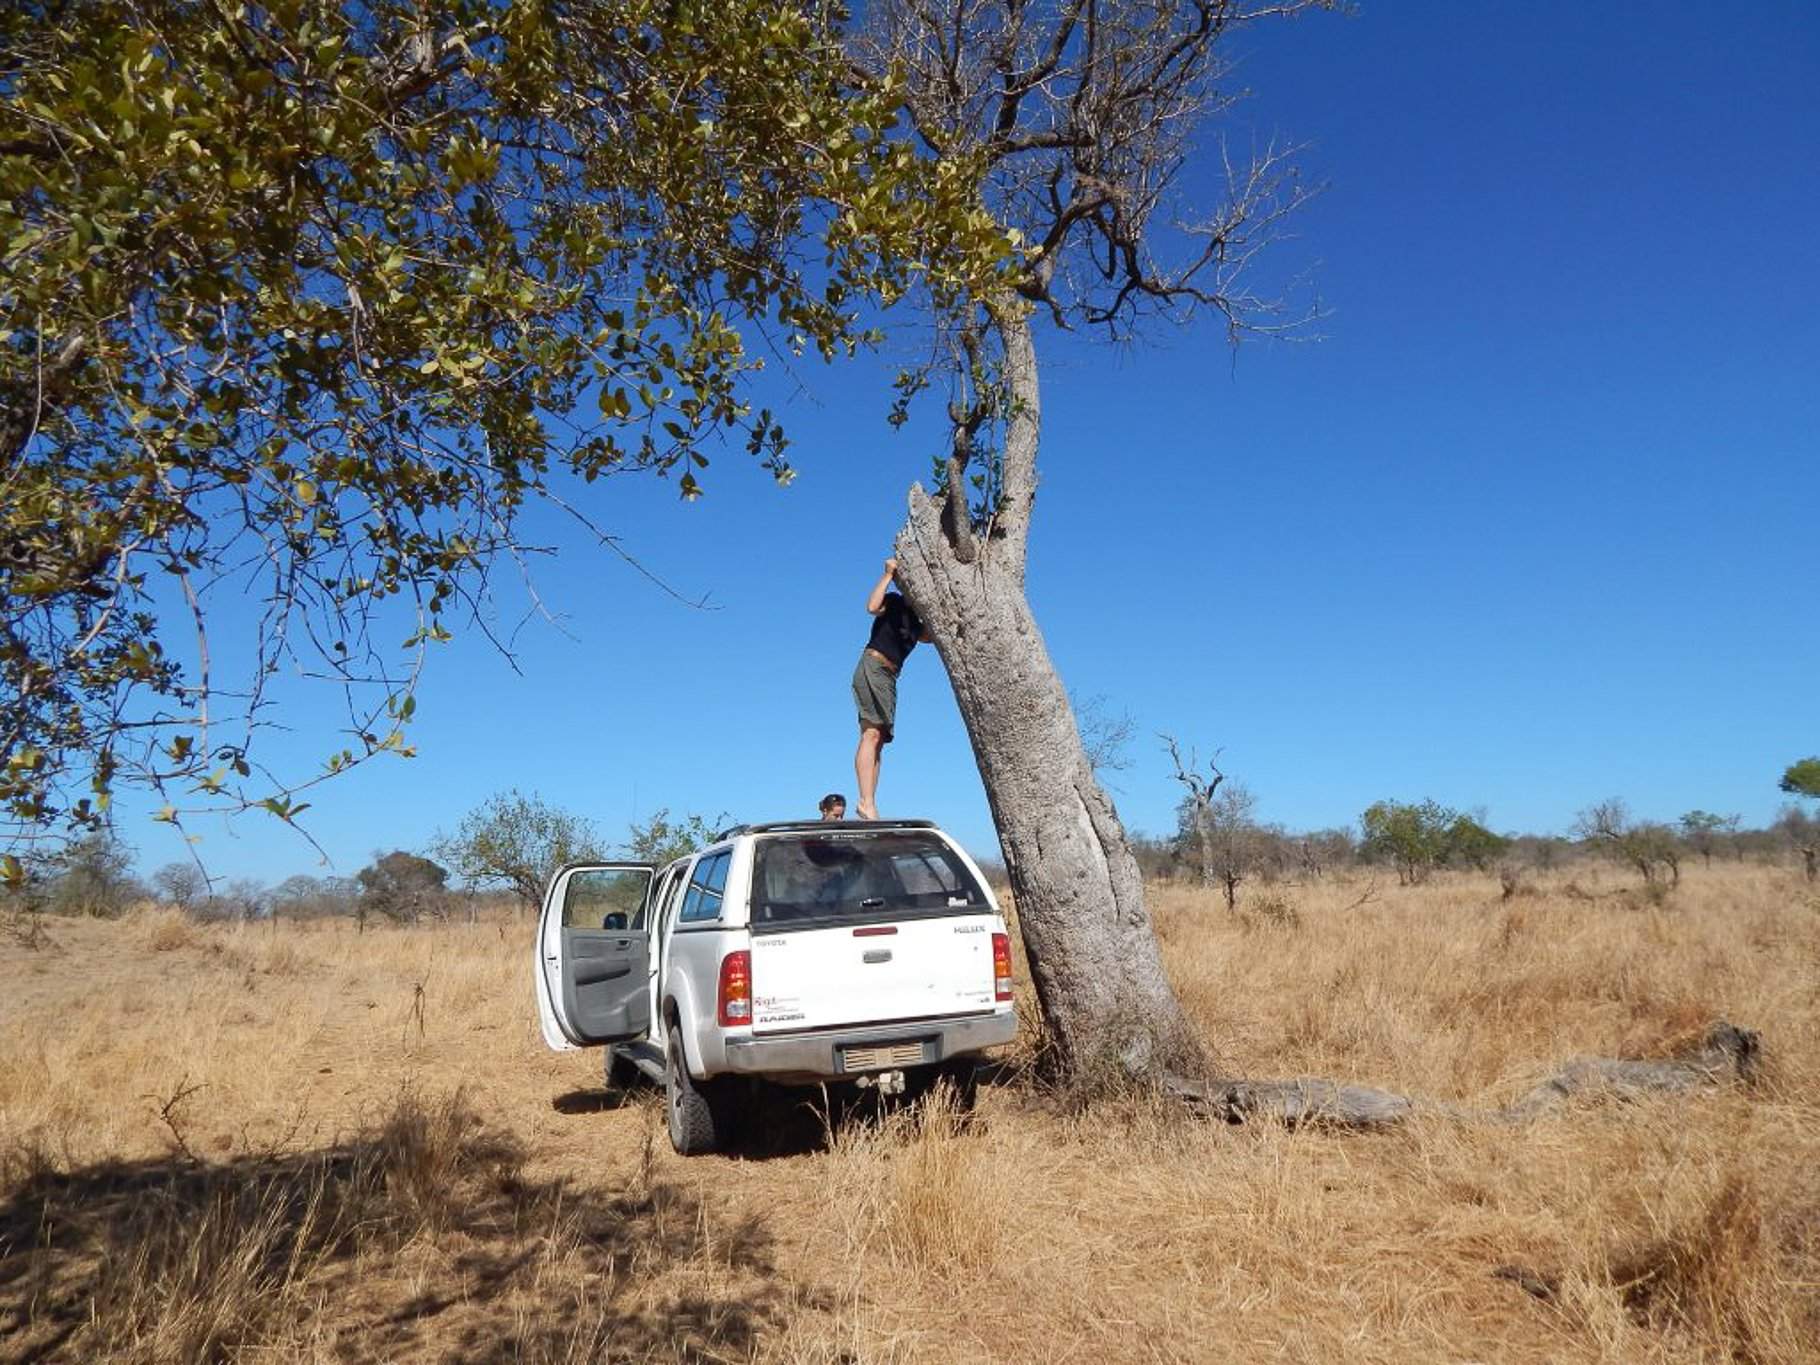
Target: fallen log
(1725, 1053)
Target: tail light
(735, 999)
(1001, 967)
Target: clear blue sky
(1532, 525)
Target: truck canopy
(866, 926)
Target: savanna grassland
(297, 1142)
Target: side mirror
(616, 920)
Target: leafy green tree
(1417, 837)
(1411, 836)
(93, 876)
(401, 886)
(1803, 779)
(1703, 830)
(517, 842)
(1469, 844)
(646, 175)
(661, 839)
(314, 296)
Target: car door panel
(593, 980)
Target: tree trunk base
(1725, 1054)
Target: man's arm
(876, 603)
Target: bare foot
(868, 812)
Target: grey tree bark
(1108, 1007)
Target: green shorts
(875, 694)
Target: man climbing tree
(896, 629)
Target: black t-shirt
(895, 630)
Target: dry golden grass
(305, 1143)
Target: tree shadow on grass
(419, 1237)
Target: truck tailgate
(871, 973)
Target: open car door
(593, 955)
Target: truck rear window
(866, 875)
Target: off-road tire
(697, 1123)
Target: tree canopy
(1417, 837)
(662, 839)
(402, 886)
(1802, 778)
(518, 842)
(306, 300)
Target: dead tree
(1198, 804)
(1648, 847)
(1076, 119)
(1217, 813)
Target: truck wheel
(693, 1126)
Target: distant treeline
(1218, 842)
(504, 852)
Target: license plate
(882, 1056)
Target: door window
(594, 894)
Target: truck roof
(821, 827)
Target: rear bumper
(817, 1056)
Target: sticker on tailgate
(778, 1009)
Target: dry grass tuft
(1699, 1274)
(944, 1206)
(1275, 908)
(164, 930)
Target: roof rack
(821, 826)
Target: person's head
(834, 806)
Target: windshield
(859, 876)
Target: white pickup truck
(861, 951)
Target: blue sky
(1532, 524)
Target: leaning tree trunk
(1108, 1007)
